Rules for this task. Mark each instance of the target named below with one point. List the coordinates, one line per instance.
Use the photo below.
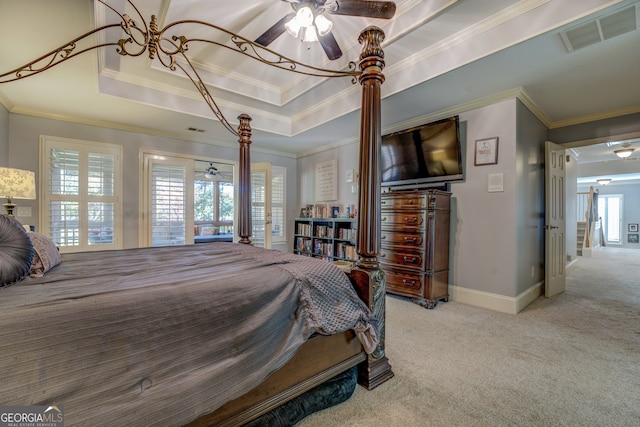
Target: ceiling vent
(601, 29)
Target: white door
(555, 236)
(261, 205)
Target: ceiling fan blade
(275, 31)
(368, 8)
(330, 46)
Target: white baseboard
(491, 301)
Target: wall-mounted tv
(427, 154)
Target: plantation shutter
(268, 202)
(278, 204)
(259, 208)
(168, 200)
(81, 194)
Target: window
(213, 204)
(610, 210)
(81, 194)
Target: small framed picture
(486, 151)
(633, 238)
(633, 228)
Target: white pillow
(209, 231)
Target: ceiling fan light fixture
(293, 26)
(310, 34)
(211, 171)
(624, 152)
(323, 25)
(304, 15)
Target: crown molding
(595, 117)
(141, 130)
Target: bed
(104, 337)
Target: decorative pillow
(16, 251)
(209, 231)
(46, 254)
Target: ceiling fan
(308, 20)
(211, 172)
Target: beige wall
(4, 136)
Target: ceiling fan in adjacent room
(211, 172)
(309, 21)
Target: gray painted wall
(490, 248)
(347, 157)
(25, 132)
(530, 199)
(483, 224)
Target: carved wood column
(244, 179)
(368, 276)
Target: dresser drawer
(403, 258)
(394, 201)
(431, 287)
(394, 238)
(411, 219)
(405, 283)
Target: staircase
(582, 226)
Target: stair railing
(590, 217)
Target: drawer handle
(383, 237)
(408, 239)
(384, 219)
(408, 283)
(410, 260)
(410, 220)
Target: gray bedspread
(159, 336)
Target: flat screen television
(426, 154)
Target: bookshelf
(332, 239)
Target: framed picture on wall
(633, 228)
(633, 238)
(486, 151)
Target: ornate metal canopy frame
(142, 37)
(171, 52)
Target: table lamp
(16, 184)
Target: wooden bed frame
(321, 357)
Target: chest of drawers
(415, 244)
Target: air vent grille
(601, 29)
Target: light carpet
(569, 360)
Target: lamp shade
(17, 184)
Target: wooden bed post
(368, 277)
(244, 179)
